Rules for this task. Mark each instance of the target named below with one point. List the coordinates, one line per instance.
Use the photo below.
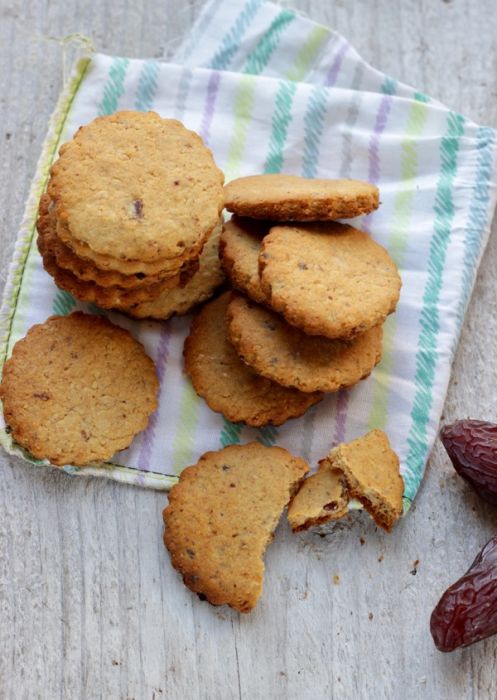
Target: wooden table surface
(89, 604)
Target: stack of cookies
(312, 295)
(132, 214)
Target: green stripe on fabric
(243, 106)
(427, 354)
(396, 245)
(26, 237)
(187, 423)
(307, 54)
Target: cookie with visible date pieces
(227, 384)
(86, 270)
(221, 516)
(284, 354)
(77, 389)
(279, 197)
(105, 297)
(321, 497)
(328, 279)
(371, 473)
(136, 187)
(182, 299)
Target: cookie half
(239, 250)
(328, 279)
(77, 389)
(182, 299)
(321, 497)
(291, 198)
(227, 384)
(135, 186)
(284, 354)
(221, 516)
(371, 473)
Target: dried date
(472, 448)
(467, 611)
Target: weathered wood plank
(89, 605)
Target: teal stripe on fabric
(63, 303)
(147, 86)
(261, 55)
(230, 434)
(282, 116)
(314, 119)
(231, 41)
(427, 354)
(114, 87)
(389, 86)
(477, 213)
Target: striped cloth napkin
(269, 90)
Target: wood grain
(89, 604)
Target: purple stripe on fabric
(160, 368)
(332, 76)
(212, 91)
(341, 416)
(374, 177)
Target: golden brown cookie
(221, 516)
(163, 268)
(86, 270)
(77, 389)
(290, 198)
(239, 250)
(137, 187)
(200, 287)
(371, 474)
(284, 354)
(321, 497)
(227, 384)
(328, 279)
(105, 297)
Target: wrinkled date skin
(467, 611)
(472, 448)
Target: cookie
(290, 198)
(239, 250)
(321, 497)
(371, 474)
(86, 270)
(137, 187)
(284, 354)
(200, 287)
(221, 516)
(227, 384)
(328, 279)
(105, 297)
(77, 389)
(163, 268)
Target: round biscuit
(328, 279)
(281, 197)
(77, 389)
(227, 384)
(284, 354)
(135, 186)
